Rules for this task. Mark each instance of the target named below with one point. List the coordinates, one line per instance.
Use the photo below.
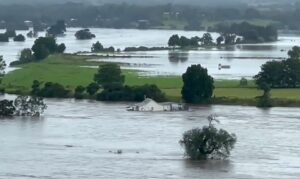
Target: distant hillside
(139, 2)
(151, 2)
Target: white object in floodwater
(224, 66)
(151, 106)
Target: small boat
(224, 66)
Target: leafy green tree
(194, 41)
(281, 74)
(109, 76)
(97, 47)
(184, 42)
(220, 39)
(92, 88)
(208, 142)
(207, 39)
(291, 72)
(174, 41)
(40, 52)
(26, 55)
(198, 86)
(45, 46)
(19, 38)
(79, 90)
(294, 53)
(271, 73)
(265, 101)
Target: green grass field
(71, 71)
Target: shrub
(19, 38)
(50, 90)
(26, 55)
(97, 47)
(92, 88)
(79, 90)
(61, 48)
(84, 34)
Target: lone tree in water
(22, 106)
(208, 142)
(29, 106)
(7, 108)
(198, 86)
(57, 29)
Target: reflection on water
(258, 47)
(176, 56)
(78, 139)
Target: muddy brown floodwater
(80, 139)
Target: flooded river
(245, 60)
(79, 139)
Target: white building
(151, 105)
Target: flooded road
(244, 60)
(79, 139)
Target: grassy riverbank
(71, 71)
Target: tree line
(250, 33)
(128, 15)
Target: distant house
(151, 105)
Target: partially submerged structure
(224, 66)
(151, 106)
